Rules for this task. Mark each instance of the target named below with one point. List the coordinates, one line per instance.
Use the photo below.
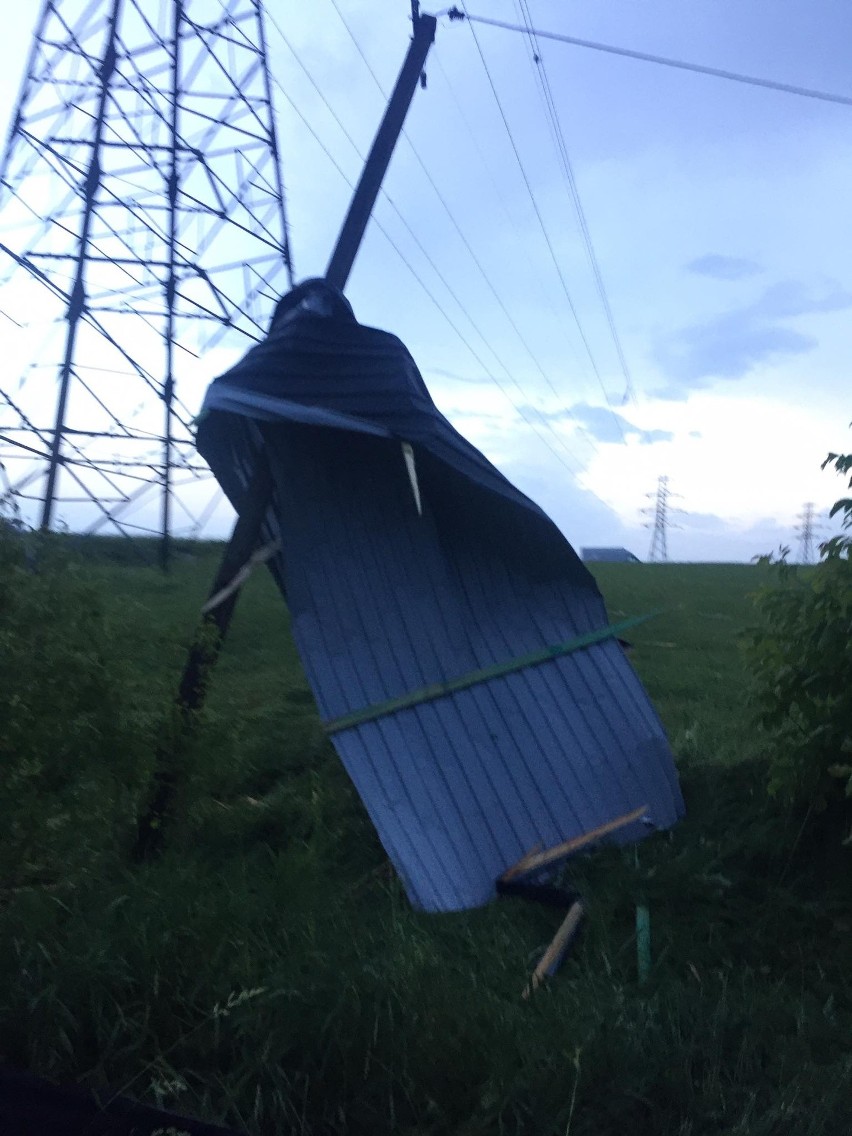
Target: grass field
(268, 973)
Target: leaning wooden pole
(214, 625)
(378, 160)
(174, 740)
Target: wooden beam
(175, 736)
(378, 160)
(559, 944)
(535, 860)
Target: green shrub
(70, 745)
(840, 547)
(800, 651)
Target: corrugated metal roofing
(385, 601)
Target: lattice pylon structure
(661, 522)
(807, 528)
(143, 241)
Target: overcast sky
(718, 213)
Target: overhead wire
(383, 191)
(474, 353)
(510, 217)
(430, 259)
(542, 226)
(459, 230)
(358, 47)
(512, 221)
(647, 57)
(562, 150)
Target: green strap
(439, 689)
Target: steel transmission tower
(807, 528)
(661, 522)
(143, 230)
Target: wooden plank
(532, 861)
(558, 946)
(237, 581)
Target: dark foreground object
(30, 1106)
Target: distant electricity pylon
(661, 522)
(807, 528)
(142, 223)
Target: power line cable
(536, 275)
(358, 48)
(518, 408)
(425, 252)
(647, 57)
(384, 193)
(568, 169)
(589, 439)
(510, 217)
(536, 361)
(545, 234)
(455, 224)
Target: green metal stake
(643, 927)
(643, 942)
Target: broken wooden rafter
(559, 945)
(533, 861)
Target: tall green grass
(267, 972)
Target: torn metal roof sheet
(420, 584)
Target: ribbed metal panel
(384, 601)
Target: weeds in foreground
(268, 972)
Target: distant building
(614, 555)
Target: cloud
(703, 522)
(723, 267)
(790, 298)
(606, 426)
(728, 347)
(601, 422)
(734, 343)
(582, 516)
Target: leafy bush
(800, 651)
(840, 546)
(70, 745)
